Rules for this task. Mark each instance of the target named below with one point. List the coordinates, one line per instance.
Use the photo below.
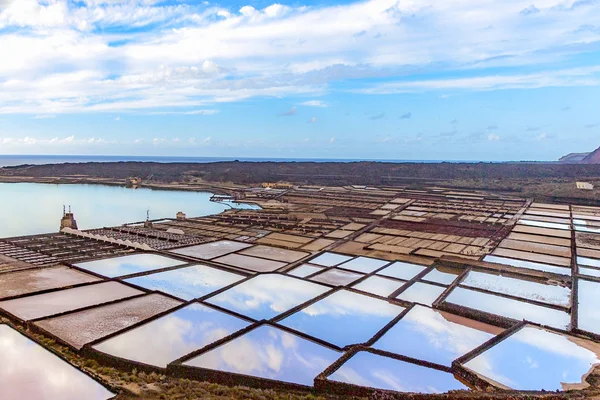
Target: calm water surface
(33, 208)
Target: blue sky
(383, 79)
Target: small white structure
(585, 186)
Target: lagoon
(34, 208)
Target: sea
(14, 160)
(35, 208)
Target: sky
(377, 79)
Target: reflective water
(587, 229)
(445, 276)
(250, 263)
(305, 270)
(211, 250)
(541, 224)
(343, 318)
(83, 327)
(330, 259)
(518, 310)
(422, 293)
(36, 280)
(188, 283)
(95, 206)
(168, 338)
(402, 270)
(379, 285)
(375, 371)
(519, 288)
(428, 335)
(28, 371)
(271, 353)
(337, 277)
(266, 296)
(364, 264)
(42, 305)
(528, 265)
(589, 271)
(589, 313)
(589, 262)
(536, 359)
(128, 265)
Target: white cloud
(57, 58)
(314, 103)
(493, 138)
(312, 120)
(588, 76)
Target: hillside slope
(573, 158)
(592, 158)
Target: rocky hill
(592, 158)
(573, 158)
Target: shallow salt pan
(536, 359)
(28, 371)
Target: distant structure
(147, 222)
(181, 216)
(68, 220)
(133, 182)
(585, 186)
(277, 185)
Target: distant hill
(592, 158)
(573, 158)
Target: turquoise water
(33, 208)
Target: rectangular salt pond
(208, 251)
(128, 265)
(305, 270)
(364, 264)
(587, 229)
(271, 353)
(250, 263)
(172, 336)
(82, 327)
(528, 265)
(266, 296)
(28, 371)
(343, 318)
(402, 270)
(188, 283)
(36, 280)
(509, 308)
(588, 262)
(274, 253)
(537, 359)
(524, 289)
(379, 285)
(42, 305)
(589, 272)
(422, 293)
(588, 316)
(445, 276)
(337, 277)
(540, 224)
(379, 372)
(433, 336)
(330, 259)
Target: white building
(585, 186)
